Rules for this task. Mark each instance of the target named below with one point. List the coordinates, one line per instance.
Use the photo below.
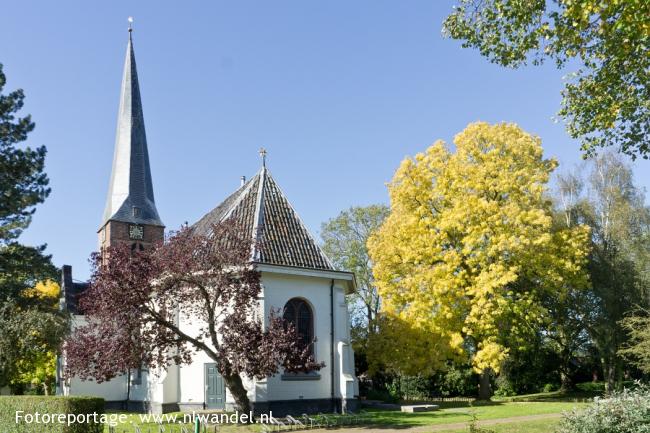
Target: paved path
(445, 427)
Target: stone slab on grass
(419, 408)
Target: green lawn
(459, 412)
(134, 419)
(541, 426)
(574, 396)
(448, 414)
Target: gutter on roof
(297, 270)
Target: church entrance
(215, 388)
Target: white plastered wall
(280, 288)
(112, 390)
(348, 386)
(186, 383)
(159, 386)
(191, 377)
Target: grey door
(215, 388)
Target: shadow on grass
(452, 412)
(456, 412)
(400, 420)
(556, 396)
(461, 412)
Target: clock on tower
(136, 232)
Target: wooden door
(215, 388)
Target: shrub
(591, 386)
(457, 381)
(504, 387)
(505, 391)
(29, 404)
(380, 394)
(622, 412)
(528, 371)
(600, 386)
(473, 424)
(409, 388)
(549, 387)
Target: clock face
(136, 232)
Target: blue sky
(339, 92)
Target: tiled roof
(263, 210)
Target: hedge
(51, 407)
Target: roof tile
(283, 238)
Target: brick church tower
(130, 214)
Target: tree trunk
(484, 388)
(236, 388)
(369, 316)
(566, 383)
(609, 374)
(611, 378)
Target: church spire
(130, 195)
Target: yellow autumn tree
(38, 367)
(467, 250)
(47, 291)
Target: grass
(540, 426)
(555, 396)
(584, 392)
(461, 412)
(457, 412)
(134, 419)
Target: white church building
(296, 277)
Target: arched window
(298, 312)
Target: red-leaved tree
(194, 292)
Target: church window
(298, 312)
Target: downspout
(332, 365)
(128, 389)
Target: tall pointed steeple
(130, 194)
